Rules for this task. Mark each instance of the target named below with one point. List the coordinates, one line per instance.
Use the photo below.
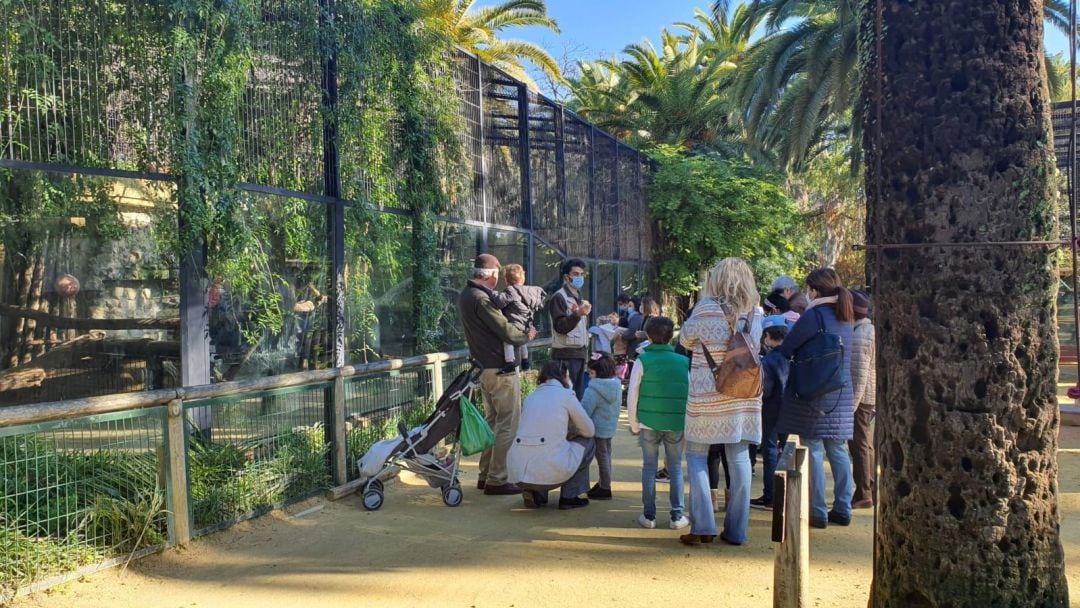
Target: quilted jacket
(863, 363)
(832, 415)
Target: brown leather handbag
(739, 374)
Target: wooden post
(437, 386)
(178, 486)
(791, 570)
(340, 445)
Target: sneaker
(598, 493)
(679, 524)
(662, 475)
(645, 522)
(820, 524)
(572, 503)
(525, 365)
(866, 503)
(838, 519)
(765, 504)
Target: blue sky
(602, 28)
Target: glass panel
(378, 286)
(630, 280)
(89, 287)
(606, 289)
(458, 247)
(508, 246)
(269, 305)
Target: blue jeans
(770, 454)
(737, 518)
(843, 486)
(650, 441)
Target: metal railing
(89, 483)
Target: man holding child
(486, 331)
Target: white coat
(540, 453)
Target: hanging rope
(1074, 392)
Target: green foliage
(360, 439)
(407, 134)
(708, 208)
(477, 31)
(63, 509)
(231, 480)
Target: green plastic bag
(475, 436)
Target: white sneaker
(679, 524)
(645, 522)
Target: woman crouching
(554, 445)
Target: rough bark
(967, 414)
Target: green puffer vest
(664, 388)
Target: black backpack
(817, 366)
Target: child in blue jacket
(774, 371)
(603, 402)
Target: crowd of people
(745, 373)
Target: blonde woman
(715, 418)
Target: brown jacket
(486, 329)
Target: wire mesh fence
(252, 453)
(76, 492)
(375, 405)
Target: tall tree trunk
(968, 419)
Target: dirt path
(489, 552)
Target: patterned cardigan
(710, 416)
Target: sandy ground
(490, 552)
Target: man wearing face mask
(486, 330)
(569, 323)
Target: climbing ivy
(400, 120)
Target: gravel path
(490, 552)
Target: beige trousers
(502, 409)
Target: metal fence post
(180, 514)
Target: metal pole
(560, 180)
(618, 203)
(593, 224)
(334, 398)
(335, 211)
(526, 168)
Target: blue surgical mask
(577, 282)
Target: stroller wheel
(375, 484)
(452, 495)
(373, 500)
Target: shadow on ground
(490, 552)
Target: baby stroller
(414, 449)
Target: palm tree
(477, 31)
(674, 94)
(968, 350)
(796, 85)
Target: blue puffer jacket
(774, 375)
(603, 402)
(831, 416)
